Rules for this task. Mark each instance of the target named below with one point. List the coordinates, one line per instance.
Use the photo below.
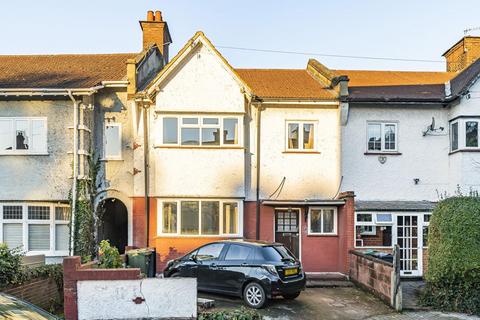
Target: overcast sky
(406, 29)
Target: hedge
(240, 314)
(453, 275)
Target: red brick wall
(74, 271)
(372, 274)
(40, 292)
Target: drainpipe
(146, 168)
(75, 165)
(257, 206)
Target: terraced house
(193, 150)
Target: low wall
(40, 292)
(377, 276)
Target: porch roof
(394, 205)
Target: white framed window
(36, 228)
(197, 131)
(373, 229)
(23, 135)
(300, 135)
(425, 227)
(382, 136)
(464, 134)
(322, 221)
(113, 141)
(200, 217)
(454, 136)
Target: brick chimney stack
(155, 31)
(463, 53)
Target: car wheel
(254, 295)
(291, 296)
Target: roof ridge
(67, 54)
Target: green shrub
(241, 314)
(10, 265)
(108, 256)
(453, 275)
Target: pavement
(331, 303)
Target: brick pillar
(348, 234)
(139, 222)
(70, 267)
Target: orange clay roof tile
(368, 78)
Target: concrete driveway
(331, 303)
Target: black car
(252, 270)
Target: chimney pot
(150, 16)
(158, 16)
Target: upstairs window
(471, 134)
(300, 135)
(23, 135)
(454, 136)
(113, 141)
(208, 131)
(464, 134)
(382, 137)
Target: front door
(409, 242)
(286, 229)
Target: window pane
(328, 220)
(190, 120)
(39, 135)
(293, 136)
(210, 217)
(169, 212)
(374, 137)
(308, 136)
(384, 217)
(210, 121)
(230, 131)
(425, 236)
(12, 212)
(390, 137)
(190, 136)
(315, 221)
(6, 135)
(237, 252)
(454, 136)
(364, 217)
(230, 218)
(38, 237)
(13, 234)
(62, 236)
(210, 251)
(374, 236)
(471, 134)
(62, 213)
(170, 130)
(211, 136)
(22, 134)
(113, 144)
(189, 217)
(38, 213)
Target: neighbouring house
(56, 111)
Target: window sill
(24, 154)
(395, 153)
(465, 150)
(111, 159)
(301, 151)
(198, 147)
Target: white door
(409, 239)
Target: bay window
(205, 131)
(199, 217)
(300, 135)
(464, 134)
(23, 135)
(382, 137)
(36, 228)
(322, 221)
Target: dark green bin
(144, 259)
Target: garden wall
(377, 276)
(40, 292)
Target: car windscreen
(276, 253)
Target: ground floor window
(322, 221)
(199, 217)
(39, 228)
(373, 229)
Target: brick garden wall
(40, 292)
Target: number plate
(290, 272)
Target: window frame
(425, 224)
(457, 123)
(200, 125)
(382, 124)
(120, 128)
(178, 232)
(300, 124)
(25, 222)
(30, 151)
(366, 224)
(322, 233)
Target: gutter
(257, 189)
(146, 170)
(75, 165)
(56, 91)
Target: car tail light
(270, 269)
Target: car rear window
(237, 252)
(276, 253)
